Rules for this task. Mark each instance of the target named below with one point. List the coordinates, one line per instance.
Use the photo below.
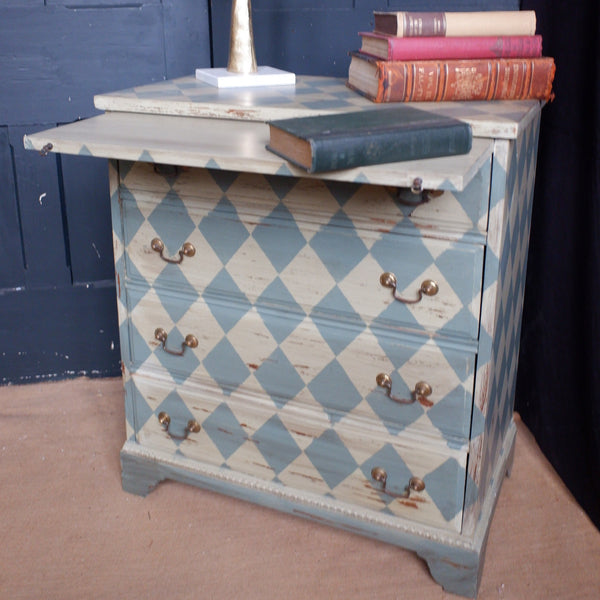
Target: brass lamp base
(222, 78)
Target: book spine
(492, 79)
(464, 47)
(453, 24)
(390, 146)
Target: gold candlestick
(241, 68)
(242, 58)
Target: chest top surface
(311, 95)
(189, 123)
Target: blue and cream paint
(293, 326)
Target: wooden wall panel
(53, 59)
(57, 298)
(88, 221)
(41, 212)
(12, 273)
(314, 37)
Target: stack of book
(443, 56)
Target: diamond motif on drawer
(334, 391)
(281, 185)
(226, 367)
(279, 237)
(228, 315)
(279, 325)
(225, 430)
(279, 378)
(276, 444)
(164, 282)
(139, 347)
(337, 336)
(223, 179)
(225, 235)
(342, 191)
(339, 247)
(133, 216)
(171, 222)
(331, 458)
(440, 482)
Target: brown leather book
(444, 80)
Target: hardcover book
(453, 24)
(445, 80)
(348, 140)
(388, 47)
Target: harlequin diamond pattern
(319, 256)
(328, 460)
(286, 304)
(303, 290)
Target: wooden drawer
(374, 206)
(331, 269)
(303, 450)
(337, 369)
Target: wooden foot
(139, 476)
(460, 578)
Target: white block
(222, 78)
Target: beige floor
(69, 531)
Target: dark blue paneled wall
(57, 308)
(57, 296)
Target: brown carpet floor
(69, 531)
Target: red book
(451, 79)
(388, 47)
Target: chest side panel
(503, 291)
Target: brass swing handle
(191, 341)
(192, 426)
(415, 484)
(186, 250)
(421, 392)
(428, 288)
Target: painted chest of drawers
(342, 347)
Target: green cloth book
(369, 137)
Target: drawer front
(371, 205)
(367, 468)
(343, 371)
(332, 269)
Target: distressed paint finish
(292, 324)
(311, 95)
(454, 560)
(511, 201)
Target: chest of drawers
(341, 347)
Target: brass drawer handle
(192, 426)
(191, 341)
(186, 250)
(415, 484)
(428, 288)
(421, 392)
